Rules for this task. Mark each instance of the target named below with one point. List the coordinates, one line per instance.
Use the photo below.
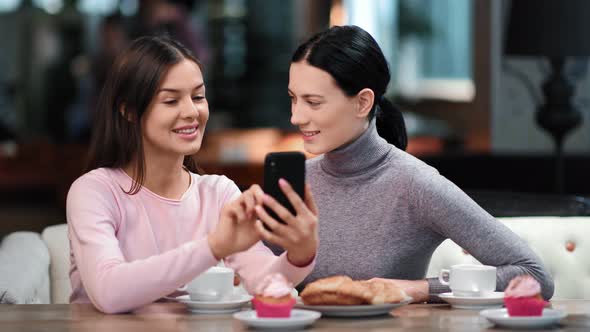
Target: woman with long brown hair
(141, 221)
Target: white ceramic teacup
(214, 285)
(469, 280)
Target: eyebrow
(307, 95)
(177, 90)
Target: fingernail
(282, 182)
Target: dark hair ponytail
(353, 58)
(390, 124)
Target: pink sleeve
(112, 283)
(258, 261)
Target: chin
(191, 150)
(314, 149)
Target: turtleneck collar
(359, 156)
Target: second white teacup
(215, 284)
(469, 280)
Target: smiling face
(175, 120)
(325, 115)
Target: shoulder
(97, 192)
(97, 180)
(410, 166)
(218, 184)
(213, 181)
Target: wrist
(423, 289)
(300, 261)
(216, 247)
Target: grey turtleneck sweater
(382, 213)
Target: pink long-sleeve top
(130, 250)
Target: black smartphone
(286, 165)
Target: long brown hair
(129, 88)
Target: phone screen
(286, 165)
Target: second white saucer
(495, 300)
(299, 319)
(550, 317)
(219, 307)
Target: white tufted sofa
(34, 268)
(563, 243)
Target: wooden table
(174, 317)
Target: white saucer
(354, 310)
(299, 319)
(500, 317)
(220, 307)
(495, 300)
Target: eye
(198, 98)
(313, 103)
(170, 102)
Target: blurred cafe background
(495, 93)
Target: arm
(112, 283)
(448, 211)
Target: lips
(187, 130)
(309, 135)
(187, 133)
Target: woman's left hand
(299, 235)
(417, 289)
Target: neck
(164, 175)
(359, 156)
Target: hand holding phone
(296, 229)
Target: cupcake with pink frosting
(523, 297)
(273, 297)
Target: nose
(298, 115)
(189, 110)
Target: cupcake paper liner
(273, 310)
(524, 306)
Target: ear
(125, 114)
(366, 98)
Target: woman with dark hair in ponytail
(382, 212)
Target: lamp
(555, 29)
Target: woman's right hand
(236, 230)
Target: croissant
(342, 290)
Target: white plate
(500, 317)
(495, 300)
(354, 310)
(220, 307)
(298, 319)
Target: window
(427, 43)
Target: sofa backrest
(24, 262)
(562, 244)
(56, 239)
